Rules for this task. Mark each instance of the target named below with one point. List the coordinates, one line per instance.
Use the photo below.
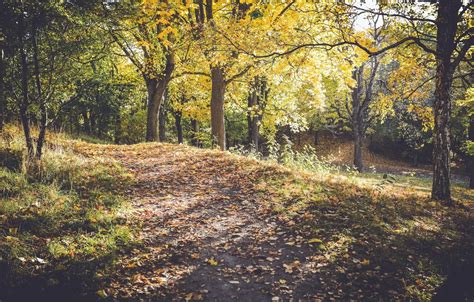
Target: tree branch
(238, 75)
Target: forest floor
(213, 226)
(218, 227)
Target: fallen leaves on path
(217, 227)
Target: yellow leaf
(212, 261)
(101, 293)
(315, 240)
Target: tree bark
(118, 129)
(24, 103)
(42, 102)
(316, 137)
(87, 123)
(156, 88)
(357, 118)
(471, 157)
(256, 103)
(194, 133)
(162, 120)
(358, 142)
(252, 121)
(93, 124)
(179, 127)
(447, 20)
(217, 107)
(153, 106)
(3, 100)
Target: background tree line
(230, 73)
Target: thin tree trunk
(194, 133)
(217, 107)
(118, 129)
(357, 118)
(25, 93)
(446, 30)
(3, 100)
(252, 121)
(93, 123)
(87, 123)
(358, 141)
(179, 127)
(471, 159)
(162, 120)
(42, 103)
(316, 137)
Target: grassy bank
(63, 221)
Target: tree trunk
(447, 20)
(256, 103)
(87, 123)
(217, 107)
(358, 141)
(42, 102)
(441, 140)
(357, 118)
(118, 129)
(194, 133)
(93, 123)
(3, 100)
(156, 88)
(162, 120)
(179, 127)
(316, 137)
(252, 121)
(471, 157)
(154, 96)
(25, 93)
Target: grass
(369, 227)
(66, 212)
(308, 161)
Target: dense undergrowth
(62, 220)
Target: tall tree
(207, 30)
(450, 44)
(256, 103)
(145, 36)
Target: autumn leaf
(315, 240)
(212, 261)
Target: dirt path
(210, 233)
(207, 236)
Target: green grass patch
(366, 227)
(67, 211)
